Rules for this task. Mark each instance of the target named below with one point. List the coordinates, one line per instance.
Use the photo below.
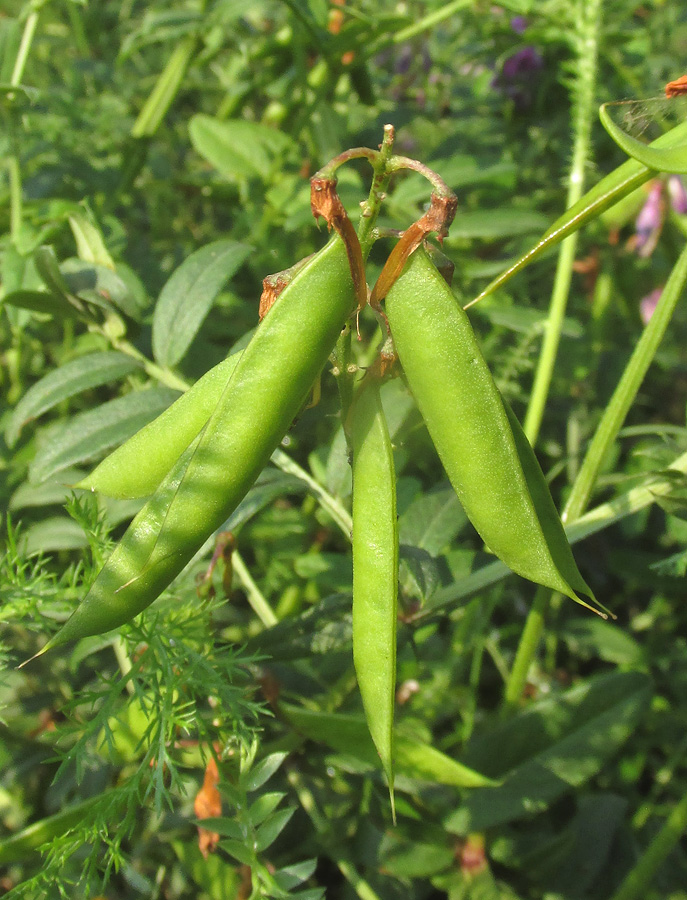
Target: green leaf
(23, 844)
(70, 379)
(591, 637)
(100, 286)
(291, 876)
(239, 851)
(42, 302)
(218, 879)
(186, 298)
(49, 270)
(432, 520)
(349, 735)
(495, 224)
(661, 159)
(238, 149)
(91, 433)
(263, 771)
(89, 241)
(224, 827)
(270, 830)
(52, 534)
(263, 806)
(556, 746)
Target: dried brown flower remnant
(325, 202)
(471, 856)
(438, 218)
(272, 286)
(208, 804)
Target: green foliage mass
(156, 159)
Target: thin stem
(256, 598)
(588, 20)
(166, 89)
(529, 641)
(589, 24)
(328, 171)
(639, 879)
(429, 21)
(164, 376)
(396, 163)
(380, 182)
(16, 200)
(329, 503)
(626, 391)
(24, 48)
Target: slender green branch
(166, 89)
(430, 20)
(380, 182)
(164, 376)
(24, 48)
(329, 503)
(256, 598)
(626, 391)
(584, 90)
(638, 881)
(588, 21)
(529, 641)
(16, 201)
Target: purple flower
(647, 305)
(404, 59)
(521, 63)
(677, 194)
(515, 80)
(649, 221)
(519, 24)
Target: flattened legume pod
(137, 467)
(493, 471)
(375, 568)
(268, 387)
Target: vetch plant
(234, 419)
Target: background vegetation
(137, 134)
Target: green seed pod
(269, 385)
(137, 467)
(485, 454)
(375, 568)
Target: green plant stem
(16, 202)
(380, 182)
(626, 391)
(588, 20)
(323, 829)
(587, 39)
(166, 88)
(430, 20)
(256, 598)
(529, 641)
(14, 170)
(366, 235)
(329, 503)
(164, 376)
(634, 887)
(24, 48)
